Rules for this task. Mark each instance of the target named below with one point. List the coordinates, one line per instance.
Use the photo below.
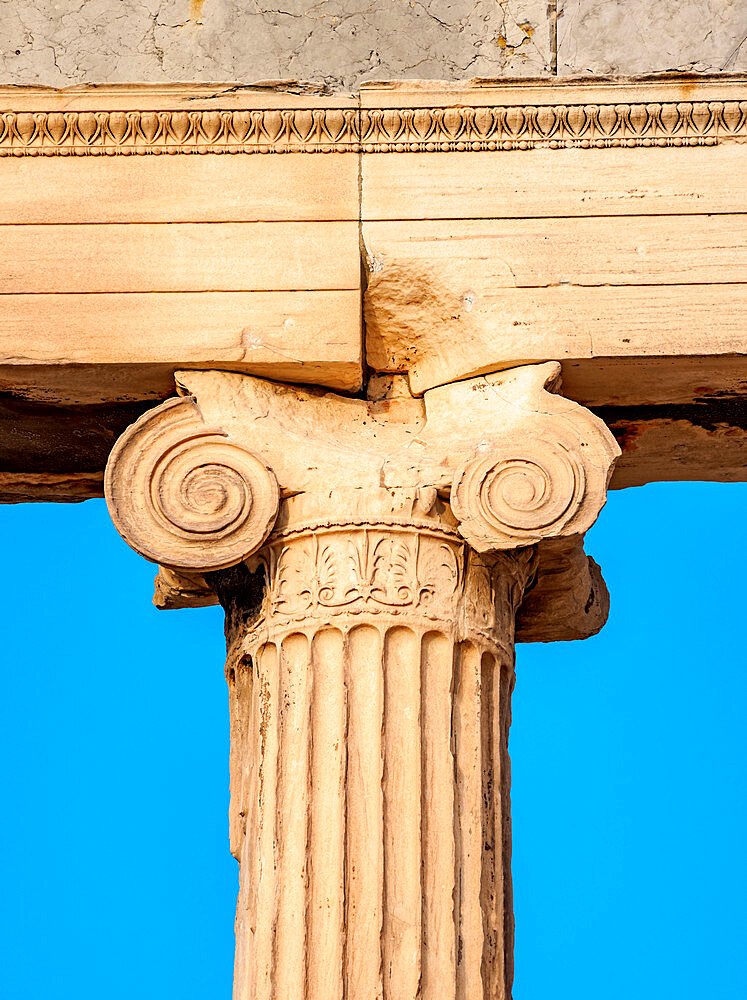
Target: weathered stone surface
(336, 43)
(569, 599)
(50, 487)
(626, 262)
(637, 36)
(194, 483)
(686, 438)
(370, 784)
(370, 683)
(520, 465)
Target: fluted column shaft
(370, 778)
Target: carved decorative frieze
(136, 132)
(388, 130)
(526, 127)
(372, 568)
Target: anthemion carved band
(379, 130)
(372, 557)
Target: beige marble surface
(650, 36)
(336, 43)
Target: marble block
(637, 36)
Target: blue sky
(629, 759)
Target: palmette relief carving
(379, 567)
(362, 567)
(424, 571)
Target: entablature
(439, 231)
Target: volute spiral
(524, 489)
(186, 496)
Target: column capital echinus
(222, 473)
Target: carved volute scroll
(184, 495)
(535, 486)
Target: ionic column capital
(195, 484)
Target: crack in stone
(340, 43)
(735, 53)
